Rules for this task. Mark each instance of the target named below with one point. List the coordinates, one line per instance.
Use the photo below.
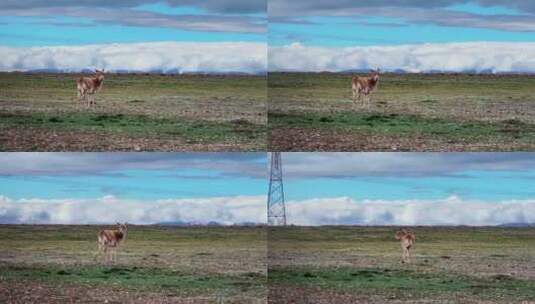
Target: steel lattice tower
(276, 206)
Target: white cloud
(109, 209)
(247, 57)
(450, 211)
(468, 56)
(252, 209)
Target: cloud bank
(448, 57)
(252, 209)
(109, 209)
(215, 57)
(450, 211)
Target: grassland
(362, 265)
(408, 112)
(134, 112)
(60, 264)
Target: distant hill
(517, 225)
(211, 224)
(402, 71)
(177, 223)
(125, 71)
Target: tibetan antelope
(89, 86)
(407, 239)
(109, 240)
(364, 86)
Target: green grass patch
(399, 87)
(139, 85)
(394, 124)
(137, 278)
(403, 283)
(138, 125)
(35, 233)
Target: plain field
(408, 112)
(155, 265)
(362, 265)
(134, 112)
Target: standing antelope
(407, 239)
(109, 240)
(364, 85)
(88, 86)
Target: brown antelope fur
(89, 86)
(407, 240)
(364, 86)
(109, 240)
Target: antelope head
(99, 74)
(375, 74)
(122, 227)
(400, 234)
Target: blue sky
(341, 23)
(410, 176)
(59, 22)
(372, 176)
(478, 185)
(141, 177)
(356, 23)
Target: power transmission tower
(276, 206)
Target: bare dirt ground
(37, 293)
(298, 295)
(38, 139)
(299, 139)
